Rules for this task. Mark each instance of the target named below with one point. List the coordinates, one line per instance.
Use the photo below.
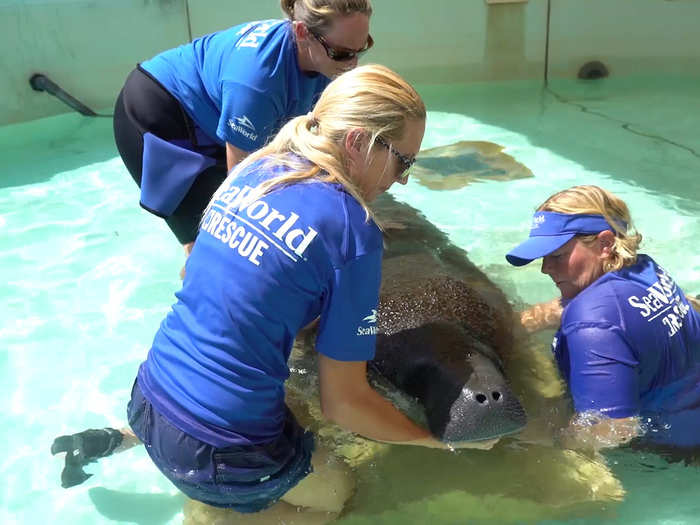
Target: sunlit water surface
(89, 276)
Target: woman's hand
(541, 316)
(588, 431)
(431, 442)
(484, 444)
(348, 400)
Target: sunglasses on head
(405, 161)
(341, 54)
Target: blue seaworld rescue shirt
(261, 269)
(629, 345)
(239, 85)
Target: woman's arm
(234, 155)
(541, 316)
(348, 400)
(589, 432)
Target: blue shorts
(246, 478)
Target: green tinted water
(89, 276)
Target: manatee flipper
(83, 448)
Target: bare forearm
(234, 155)
(348, 400)
(586, 432)
(374, 417)
(541, 316)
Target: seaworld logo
(537, 221)
(244, 126)
(256, 36)
(370, 319)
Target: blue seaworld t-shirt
(629, 344)
(239, 85)
(261, 270)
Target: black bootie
(83, 448)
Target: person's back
(216, 74)
(628, 345)
(187, 116)
(637, 352)
(233, 340)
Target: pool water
(89, 276)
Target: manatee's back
(425, 275)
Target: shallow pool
(89, 276)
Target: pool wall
(88, 46)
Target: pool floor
(89, 276)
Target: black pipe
(41, 82)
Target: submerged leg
(315, 500)
(327, 488)
(198, 513)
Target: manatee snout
(457, 378)
(485, 408)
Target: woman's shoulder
(265, 43)
(343, 219)
(612, 296)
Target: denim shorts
(246, 478)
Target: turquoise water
(89, 276)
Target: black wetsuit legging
(144, 105)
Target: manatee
(456, 376)
(458, 164)
(448, 338)
(442, 326)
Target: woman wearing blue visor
(187, 116)
(628, 345)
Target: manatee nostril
(496, 395)
(481, 399)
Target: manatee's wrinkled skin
(442, 325)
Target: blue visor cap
(551, 230)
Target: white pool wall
(89, 46)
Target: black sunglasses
(342, 54)
(405, 160)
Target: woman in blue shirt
(187, 116)
(628, 345)
(287, 239)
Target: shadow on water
(641, 130)
(130, 507)
(456, 165)
(35, 151)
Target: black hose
(40, 82)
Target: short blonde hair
(318, 15)
(371, 97)
(597, 201)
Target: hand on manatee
(486, 444)
(432, 442)
(694, 301)
(541, 316)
